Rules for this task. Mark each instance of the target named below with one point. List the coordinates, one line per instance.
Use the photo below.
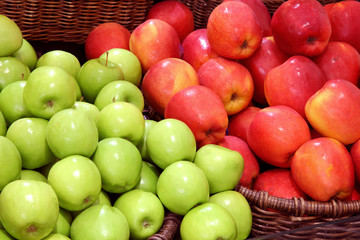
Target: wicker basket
(71, 20)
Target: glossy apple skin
(14, 38)
(153, 41)
(275, 133)
(334, 111)
(202, 110)
(236, 87)
(355, 155)
(266, 57)
(326, 162)
(11, 158)
(239, 123)
(148, 177)
(26, 54)
(293, 83)
(340, 60)
(12, 70)
(175, 13)
(301, 27)
(227, 33)
(251, 164)
(164, 79)
(345, 23)
(27, 174)
(104, 37)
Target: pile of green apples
(80, 161)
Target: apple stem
(106, 60)
(22, 76)
(81, 99)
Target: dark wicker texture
(71, 20)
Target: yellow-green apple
(10, 159)
(266, 57)
(63, 223)
(239, 208)
(182, 186)
(29, 137)
(100, 222)
(227, 33)
(76, 181)
(88, 108)
(144, 212)
(149, 123)
(148, 177)
(175, 13)
(301, 27)
(27, 54)
(56, 236)
(202, 110)
(49, 89)
(236, 88)
(334, 111)
(208, 221)
(27, 174)
(345, 23)
(240, 122)
(293, 83)
(72, 132)
(251, 164)
(5, 235)
(197, 49)
(12, 36)
(128, 62)
(326, 162)
(340, 60)
(170, 140)
(3, 125)
(164, 79)
(275, 133)
(153, 41)
(104, 37)
(12, 70)
(119, 163)
(29, 209)
(262, 14)
(355, 156)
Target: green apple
(11, 36)
(72, 132)
(63, 223)
(120, 91)
(142, 144)
(144, 212)
(11, 102)
(28, 209)
(10, 160)
(170, 140)
(5, 235)
(44, 170)
(208, 221)
(48, 90)
(100, 222)
(76, 181)
(12, 70)
(26, 54)
(121, 119)
(3, 124)
(148, 177)
(181, 186)
(88, 108)
(28, 135)
(94, 74)
(60, 58)
(238, 207)
(56, 236)
(223, 167)
(27, 174)
(119, 163)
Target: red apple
(262, 14)
(275, 133)
(334, 111)
(323, 169)
(153, 41)
(202, 110)
(261, 62)
(104, 37)
(293, 83)
(166, 78)
(233, 30)
(251, 164)
(197, 49)
(301, 27)
(240, 122)
(345, 22)
(230, 80)
(340, 60)
(354, 196)
(175, 13)
(355, 155)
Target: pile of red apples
(280, 88)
